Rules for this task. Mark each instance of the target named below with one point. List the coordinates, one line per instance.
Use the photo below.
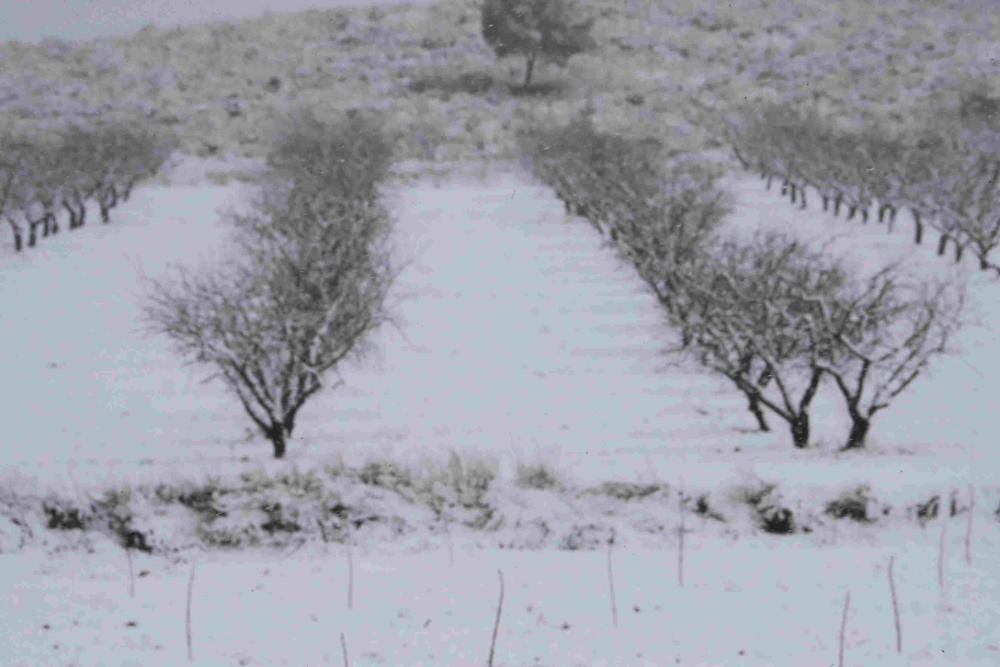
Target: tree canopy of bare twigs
(946, 172)
(743, 316)
(779, 318)
(46, 172)
(875, 336)
(307, 287)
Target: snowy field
(520, 334)
(749, 602)
(516, 332)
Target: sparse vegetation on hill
(655, 69)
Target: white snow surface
(519, 334)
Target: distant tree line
(46, 175)
(774, 316)
(947, 174)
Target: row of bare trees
(47, 173)
(774, 316)
(307, 280)
(947, 175)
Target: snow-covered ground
(519, 334)
(744, 603)
(516, 333)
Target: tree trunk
(942, 245)
(850, 214)
(33, 232)
(864, 215)
(836, 205)
(959, 251)
(859, 432)
(802, 197)
(529, 71)
(18, 238)
(800, 430)
(770, 180)
(279, 439)
(758, 412)
(826, 203)
(918, 228)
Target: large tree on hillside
(548, 29)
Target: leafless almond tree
(307, 290)
(875, 336)
(746, 320)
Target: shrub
(769, 511)
(537, 476)
(627, 491)
(385, 474)
(64, 515)
(852, 505)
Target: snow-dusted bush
(627, 491)
(549, 29)
(537, 476)
(852, 504)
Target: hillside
(658, 69)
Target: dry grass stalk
(496, 622)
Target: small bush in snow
(584, 537)
(63, 515)
(703, 508)
(928, 510)
(385, 474)
(627, 491)
(537, 476)
(852, 505)
(768, 510)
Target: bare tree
(874, 337)
(309, 288)
(745, 318)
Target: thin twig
(895, 606)
(611, 583)
(941, 545)
(968, 526)
(451, 547)
(350, 567)
(496, 622)
(343, 649)
(187, 614)
(680, 541)
(131, 573)
(843, 629)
